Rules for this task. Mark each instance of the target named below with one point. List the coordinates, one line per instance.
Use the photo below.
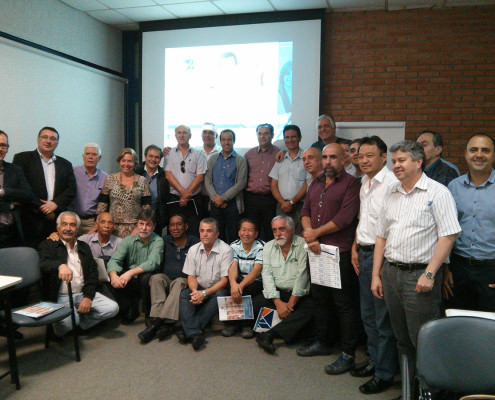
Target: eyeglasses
(183, 166)
(4, 146)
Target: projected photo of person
(285, 89)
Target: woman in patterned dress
(124, 194)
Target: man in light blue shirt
(472, 281)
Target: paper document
(324, 267)
(454, 312)
(267, 319)
(229, 310)
(39, 310)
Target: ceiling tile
(298, 4)
(243, 6)
(356, 5)
(127, 3)
(85, 5)
(189, 10)
(146, 13)
(110, 17)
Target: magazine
(39, 310)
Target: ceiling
(126, 14)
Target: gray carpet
(116, 366)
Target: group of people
(243, 225)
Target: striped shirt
(372, 195)
(412, 222)
(246, 260)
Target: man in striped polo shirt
(416, 230)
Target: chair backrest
(457, 354)
(20, 261)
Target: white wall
(54, 24)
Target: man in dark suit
(14, 189)
(52, 180)
(160, 188)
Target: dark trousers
(9, 236)
(227, 218)
(191, 211)
(297, 320)
(261, 209)
(253, 290)
(36, 228)
(128, 297)
(345, 307)
(471, 280)
(194, 318)
(382, 346)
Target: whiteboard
(84, 104)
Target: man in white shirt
(375, 187)
(70, 260)
(416, 230)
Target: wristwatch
(429, 275)
(204, 294)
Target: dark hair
(357, 140)
(482, 134)
(437, 138)
(153, 147)
(343, 141)
(374, 141)
(292, 128)
(248, 220)
(49, 128)
(414, 149)
(265, 125)
(182, 216)
(229, 131)
(4, 133)
(146, 214)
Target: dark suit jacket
(17, 190)
(52, 254)
(65, 183)
(163, 194)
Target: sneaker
(247, 333)
(343, 364)
(229, 330)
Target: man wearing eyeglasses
(185, 170)
(165, 287)
(14, 188)
(52, 179)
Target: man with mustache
(329, 216)
(415, 233)
(131, 266)
(285, 284)
(102, 243)
(473, 256)
(70, 260)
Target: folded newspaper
(39, 310)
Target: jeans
(101, 308)
(382, 346)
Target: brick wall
(434, 69)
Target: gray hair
(59, 218)
(414, 149)
(184, 126)
(288, 220)
(95, 145)
(211, 221)
(326, 116)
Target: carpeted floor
(115, 365)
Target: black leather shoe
(341, 365)
(164, 331)
(368, 370)
(313, 349)
(375, 385)
(181, 336)
(148, 334)
(198, 341)
(265, 341)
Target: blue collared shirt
(224, 173)
(88, 190)
(152, 181)
(476, 213)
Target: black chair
(24, 262)
(457, 354)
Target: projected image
(234, 86)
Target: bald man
(329, 216)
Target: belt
(473, 262)
(87, 216)
(408, 267)
(368, 248)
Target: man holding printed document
(329, 217)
